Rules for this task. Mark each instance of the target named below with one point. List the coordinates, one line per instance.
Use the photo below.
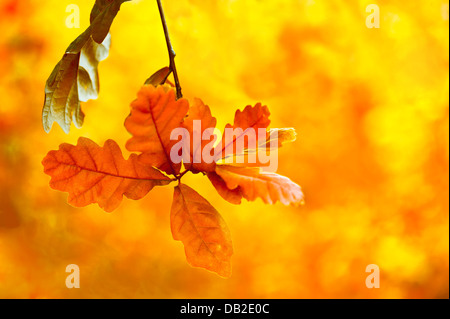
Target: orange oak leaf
(253, 184)
(251, 118)
(243, 150)
(200, 122)
(234, 196)
(202, 230)
(94, 174)
(266, 149)
(154, 115)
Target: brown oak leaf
(75, 78)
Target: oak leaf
(282, 136)
(159, 77)
(202, 230)
(253, 183)
(154, 115)
(250, 119)
(198, 123)
(256, 155)
(62, 103)
(94, 174)
(88, 79)
(102, 16)
(75, 78)
(234, 196)
(237, 152)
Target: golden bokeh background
(371, 107)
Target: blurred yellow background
(371, 107)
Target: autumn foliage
(370, 106)
(94, 174)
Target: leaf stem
(172, 53)
(180, 176)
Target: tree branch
(172, 53)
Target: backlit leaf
(253, 183)
(94, 174)
(259, 156)
(234, 196)
(202, 230)
(250, 119)
(205, 122)
(282, 135)
(154, 115)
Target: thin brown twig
(172, 53)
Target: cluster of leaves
(94, 174)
